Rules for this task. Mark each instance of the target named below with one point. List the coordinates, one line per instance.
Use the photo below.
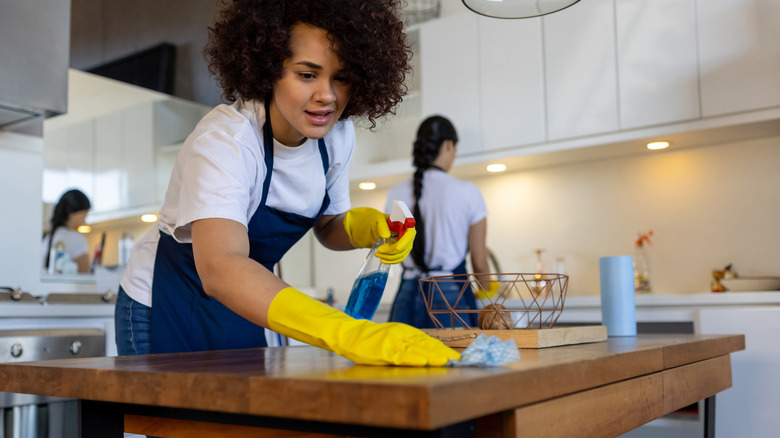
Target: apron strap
(268, 148)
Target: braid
(431, 134)
(418, 249)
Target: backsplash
(707, 206)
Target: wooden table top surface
(308, 383)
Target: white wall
(707, 206)
(21, 166)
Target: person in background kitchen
(255, 175)
(69, 214)
(451, 219)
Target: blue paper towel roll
(618, 310)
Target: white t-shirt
(449, 207)
(219, 173)
(75, 243)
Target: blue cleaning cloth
(487, 352)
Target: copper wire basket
(532, 301)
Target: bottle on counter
(372, 278)
(641, 265)
(125, 247)
(57, 257)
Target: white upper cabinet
(449, 73)
(512, 82)
(117, 143)
(739, 55)
(657, 64)
(580, 70)
(109, 176)
(138, 154)
(68, 161)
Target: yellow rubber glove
(493, 287)
(364, 225)
(296, 315)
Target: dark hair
(249, 41)
(431, 134)
(70, 202)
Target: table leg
(100, 420)
(709, 417)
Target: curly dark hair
(249, 41)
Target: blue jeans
(133, 323)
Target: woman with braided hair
(450, 217)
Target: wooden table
(598, 389)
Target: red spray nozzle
(400, 219)
(400, 227)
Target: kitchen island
(597, 389)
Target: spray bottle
(372, 278)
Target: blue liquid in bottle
(366, 293)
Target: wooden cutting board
(524, 338)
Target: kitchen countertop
(604, 388)
(59, 310)
(684, 300)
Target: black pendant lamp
(517, 8)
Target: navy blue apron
(184, 318)
(409, 305)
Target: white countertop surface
(38, 310)
(685, 300)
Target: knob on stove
(75, 347)
(16, 350)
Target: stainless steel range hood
(34, 58)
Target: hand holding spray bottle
(372, 278)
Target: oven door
(34, 416)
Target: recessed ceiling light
(658, 145)
(497, 167)
(84, 229)
(367, 185)
(149, 218)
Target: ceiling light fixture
(148, 218)
(654, 146)
(84, 229)
(517, 8)
(497, 167)
(367, 185)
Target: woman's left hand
(396, 252)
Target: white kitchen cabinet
(449, 72)
(512, 82)
(122, 159)
(138, 156)
(392, 138)
(69, 162)
(749, 408)
(580, 70)
(657, 62)
(108, 174)
(739, 55)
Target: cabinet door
(55, 162)
(80, 158)
(449, 75)
(512, 82)
(579, 51)
(749, 408)
(138, 163)
(108, 163)
(657, 64)
(739, 55)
